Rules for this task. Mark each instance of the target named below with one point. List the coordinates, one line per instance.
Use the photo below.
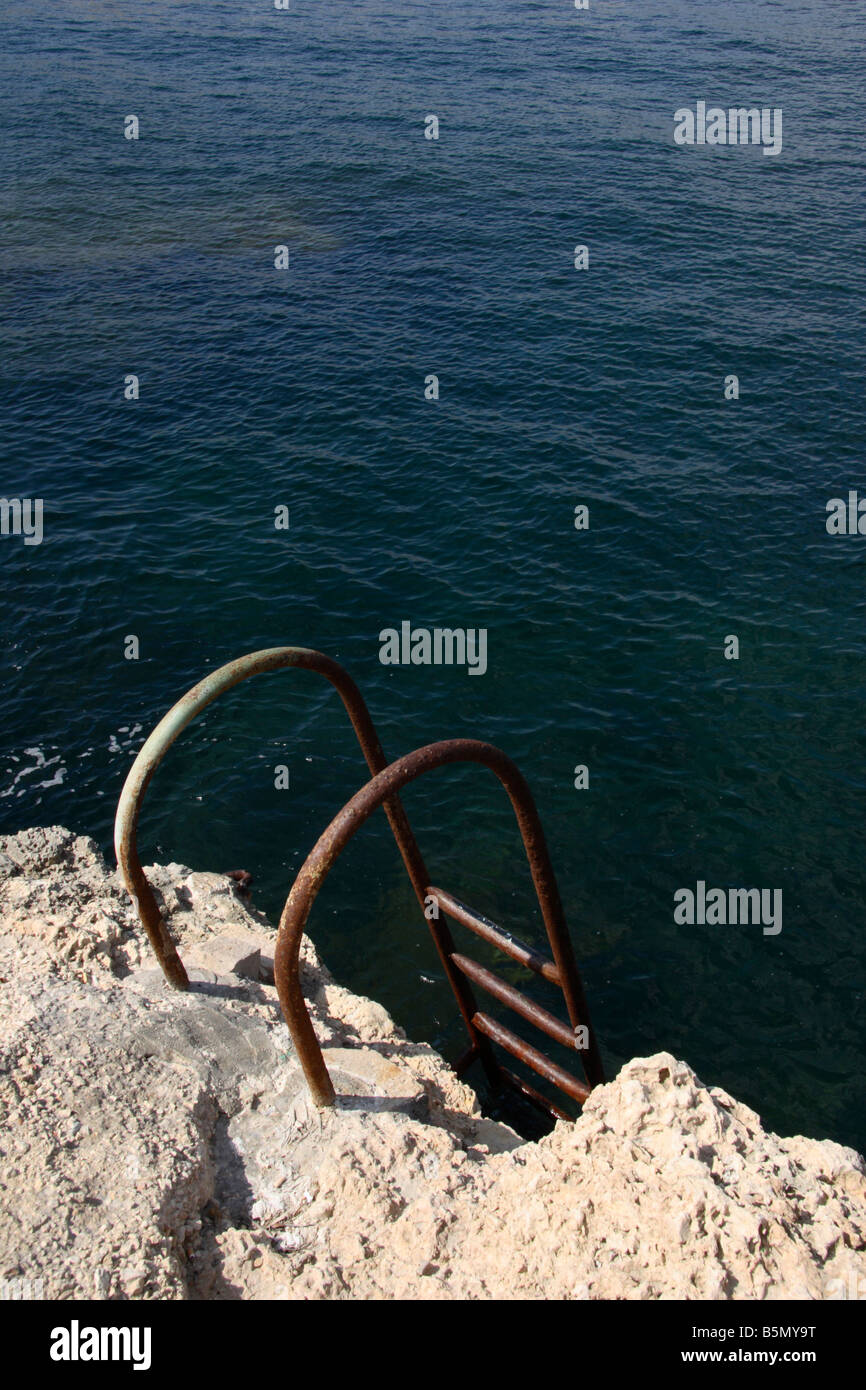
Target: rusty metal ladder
(382, 790)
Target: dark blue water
(558, 387)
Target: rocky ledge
(159, 1145)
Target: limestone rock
(229, 954)
(156, 1144)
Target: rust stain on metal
(482, 926)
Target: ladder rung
(498, 1033)
(547, 1022)
(518, 1083)
(489, 931)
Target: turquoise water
(557, 387)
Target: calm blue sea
(558, 387)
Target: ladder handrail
(175, 721)
(333, 840)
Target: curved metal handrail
(164, 735)
(333, 840)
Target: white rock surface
(162, 1145)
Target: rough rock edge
(158, 1145)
